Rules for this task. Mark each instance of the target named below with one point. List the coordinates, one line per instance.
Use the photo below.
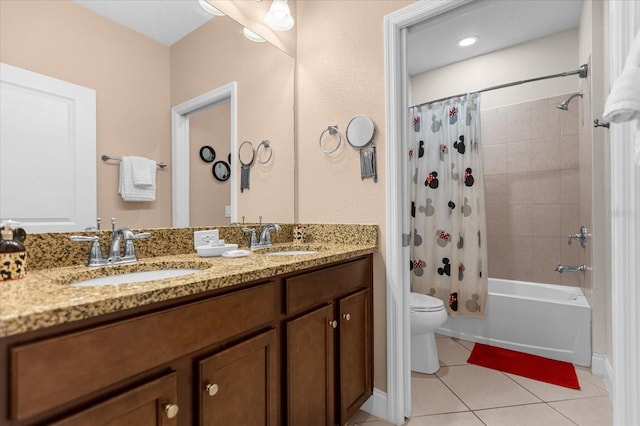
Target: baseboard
(376, 405)
(600, 366)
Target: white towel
(143, 171)
(623, 103)
(128, 190)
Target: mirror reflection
(137, 80)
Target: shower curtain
(448, 224)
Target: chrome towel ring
(332, 131)
(266, 146)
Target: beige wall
(130, 74)
(208, 196)
(340, 74)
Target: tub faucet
(564, 268)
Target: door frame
(624, 22)
(180, 148)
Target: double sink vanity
(283, 336)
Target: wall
(547, 55)
(208, 196)
(531, 171)
(340, 74)
(206, 59)
(130, 74)
(594, 174)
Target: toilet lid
(422, 303)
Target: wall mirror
(137, 82)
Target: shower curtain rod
(582, 73)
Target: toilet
(426, 314)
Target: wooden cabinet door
(355, 353)
(151, 404)
(239, 385)
(310, 369)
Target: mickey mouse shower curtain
(448, 223)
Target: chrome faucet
(563, 268)
(265, 234)
(129, 255)
(116, 256)
(264, 239)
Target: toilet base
(424, 353)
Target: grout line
(561, 413)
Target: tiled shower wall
(532, 186)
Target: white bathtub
(549, 320)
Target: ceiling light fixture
(468, 41)
(252, 36)
(279, 16)
(212, 10)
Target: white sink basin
(134, 277)
(291, 252)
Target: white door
(47, 152)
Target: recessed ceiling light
(468, 41)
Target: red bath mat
(532, 366)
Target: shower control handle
(580, 236)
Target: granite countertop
(44, 298)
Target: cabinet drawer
(52, 372)
(306, 290)
(144, 405)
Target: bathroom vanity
(264, 340)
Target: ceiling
(165, 21)
(498, 24)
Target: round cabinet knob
(211, 389)
(346, 316)
(171, 410)
(333, 323)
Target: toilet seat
(422, 303)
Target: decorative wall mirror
(207, 154)
(360, 131)
(221, 171)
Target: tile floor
(462, 394)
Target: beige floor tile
(467, 344)
(362, 416)
(451, 419)
(430, 396)
(588, 411)
(480, 387)
(370, 423)
(451, 351)
(584, 374)
(523, 415)
(548, 392)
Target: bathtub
(549, 320)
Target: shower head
(565, 104)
